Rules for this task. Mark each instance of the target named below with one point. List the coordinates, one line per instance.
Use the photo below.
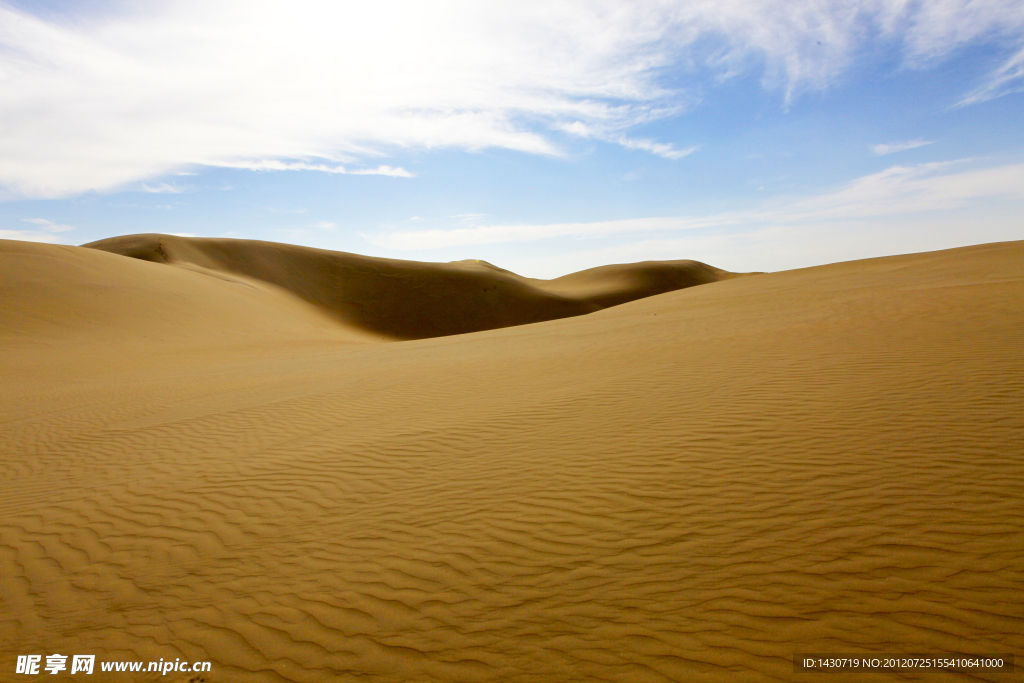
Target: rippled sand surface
(692, 486)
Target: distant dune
(409, 299)
(215, 460)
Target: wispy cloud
(603, 133)
(901, 190)
(893, 147)
(496, 234)
(782, 245)
(932, 30)
(1007, 79)
(49, 225)
(394, 172)
(98, 102)
(46, 231)
(896, 191)
(30, 236)
(660, 149)
(278, 165)
(162, 188)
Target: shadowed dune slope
(692, 487)
(413, 300)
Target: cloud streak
(660, 149)
(162, 188)
(30, 236)
(1007, 79)
(94, 103)
(278, 165)
(893, 147)
(49, 225)
(46, 231)
(896, 191)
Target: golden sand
(216, 451)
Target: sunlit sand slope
(689, 487)
(413, 300)
(63, 295)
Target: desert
(511, 341)
(305, 465)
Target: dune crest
(413, 300)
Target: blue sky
(543, 136)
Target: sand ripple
(690, 487)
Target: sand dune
(691, 486)
(60, 295)
(412, 300)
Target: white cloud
(496, 234)
(46, 231)
(159, 87)
(937, 27)
(30, 236)
(902, 190)
(783, 246)
(660, 149)
(325, 225)
(162, 188)
(278, 165)
(48, 225)
(394, 172)
(941, 26)
(1007, 79)
(893, 147)
(896, 191)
